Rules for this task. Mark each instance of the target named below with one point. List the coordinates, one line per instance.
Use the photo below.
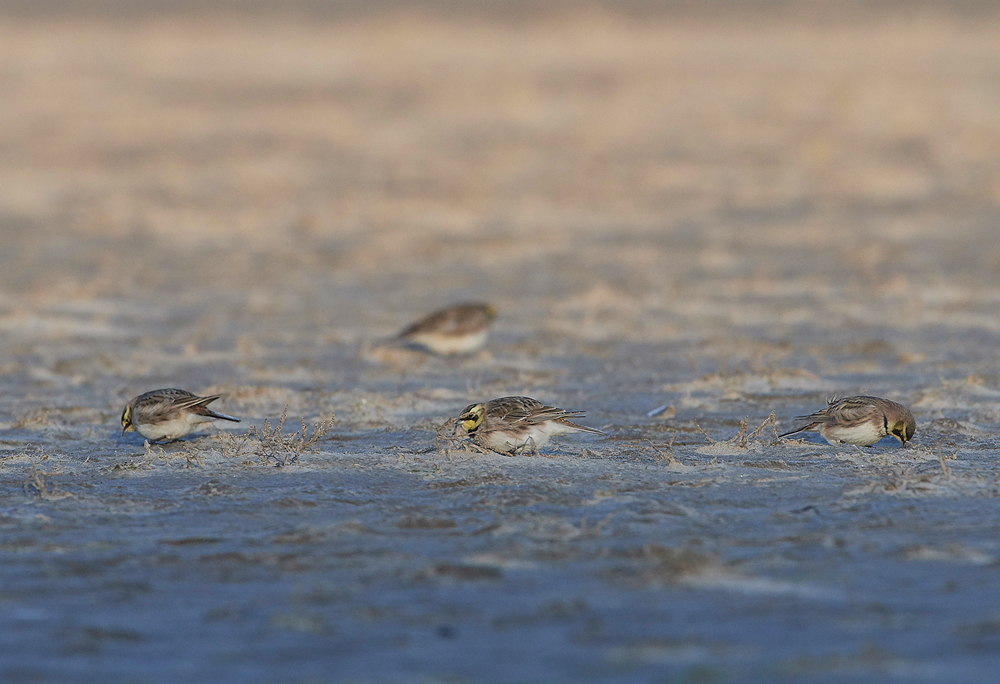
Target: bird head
(491, 313)
(472, 417)
(903, 429)
(127, 420)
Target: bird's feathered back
(526, 410)
(850, 411)
(173, 399)
(461, 319)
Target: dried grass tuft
(272, 444)
(446, 440)
(35, 483)
(745, 437)
(663, 454)
(155, 452)
(38, 417)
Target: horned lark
(458, 329)
(861, 421)
(513, 424)
(166, 415)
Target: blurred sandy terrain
(727, 213)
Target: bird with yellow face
(517, 424)
(861, 421)
(166, 415)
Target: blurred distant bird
(459, 329)
(512, 424)
(166, 415)
(861, 421)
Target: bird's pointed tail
(804, 428)
(221, 416)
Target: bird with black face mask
(517, 424)
(861, 421)
(166, 415)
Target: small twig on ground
(745, 438)
(702, 431)
(156, 452)
(770, 420)
(669, 458)
(945, 470)
(740, 438)
(446, 441)
(35, 480)
(232, 446)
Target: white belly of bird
(537, 435)
(171, 429)
(451, 344)
(865, 434)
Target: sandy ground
(729, 217)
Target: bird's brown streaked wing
(547, 413)
(528, 411)
(512, 409)
(433, 322)
(199, 405)
(170, 401)
(853, 411)
(457, 320)
(846, 412)
(194, 402)
(166, 397)
(540, 413)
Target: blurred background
(619, 170)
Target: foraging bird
(861, 421)
(510, 424)
(459, 329)
(166, 415)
